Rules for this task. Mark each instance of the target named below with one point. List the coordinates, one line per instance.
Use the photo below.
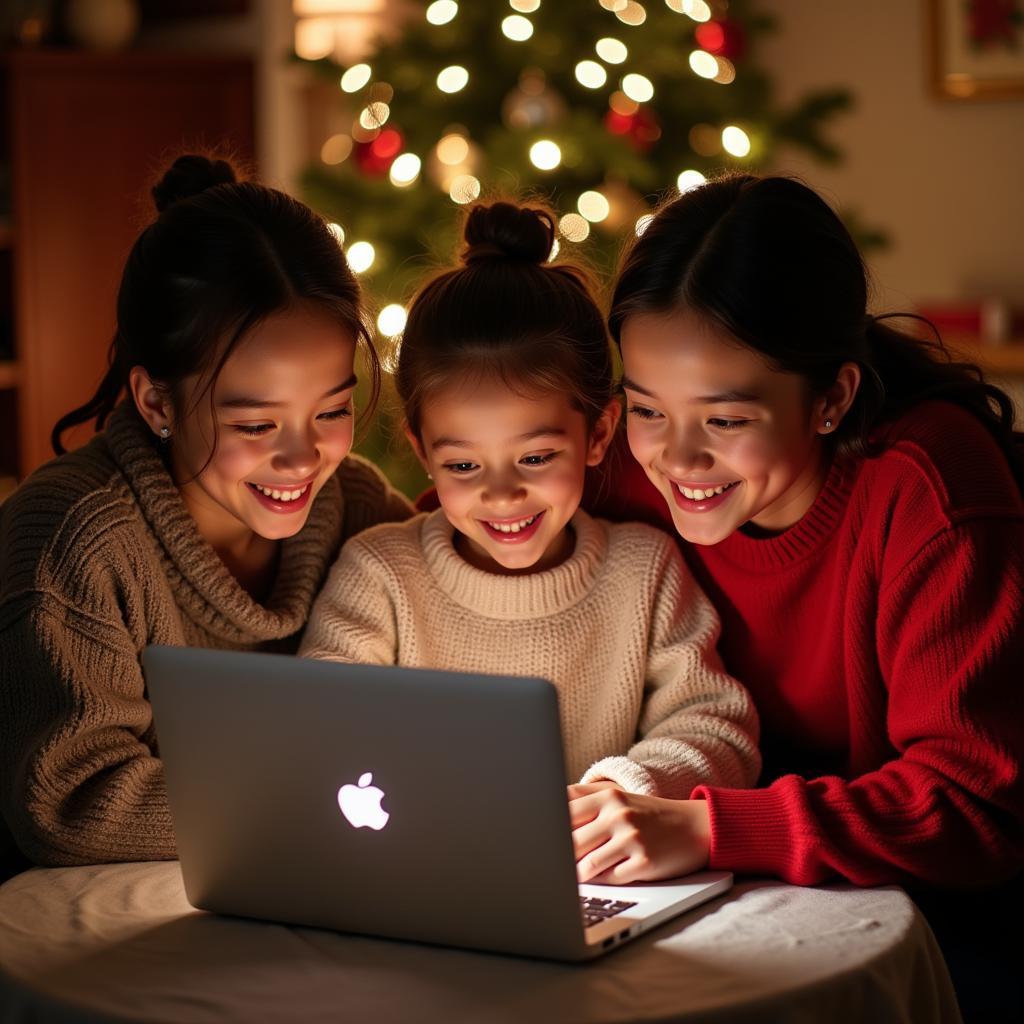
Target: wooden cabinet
(85, 137)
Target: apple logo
(361, 804)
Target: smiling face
(509, 471)
(726, 438)
(282, 417)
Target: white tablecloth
(120, 942)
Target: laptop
(396, 802)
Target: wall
(945, 178)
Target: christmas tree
(601, 106)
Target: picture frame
(977, 49)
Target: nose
(502, 487)
(298, 453)
(685, 453)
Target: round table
(119, 942)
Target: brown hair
(504, 311)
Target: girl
(852, 503)
(206, 512)
(505, 378)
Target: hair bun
(188, 176)
(509, 232)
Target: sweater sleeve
(948, 808)
(80, 781)
(353, 618)
(369, 497)
(697, 724)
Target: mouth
(702, 498)
(512, 531)
(282, 498)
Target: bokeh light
(440, 12)
(638, 88)
(336, 149)
(545, 155)
(643, 224)
(356, 77)
(464, 189)
(452, 78)
(735, 140)
(591, 74)
(689, 179)
(611, 50)
(404, 170)
(360, 257)
(574, 227)
(517, 28)
(703, 64)
(453, 149)
(391, 320)
(594, 206)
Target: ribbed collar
(204, 588)
(516, 597)
(804, 538)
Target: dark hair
(768, 260)
(506, 312)
(220, 258)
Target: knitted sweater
(98, 558)
(620, 628)
(882, 637)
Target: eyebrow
(724, 396)
(247, 402)
(530, 435)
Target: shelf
(1004, 358)
(8, 375)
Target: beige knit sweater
(621, 628)
(98, 558)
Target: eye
(460, 467)
(723, 424)
(642, 412)
(337, 414)
(538, 460)
(253, 431)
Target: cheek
(233, 461)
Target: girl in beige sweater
(506, 380)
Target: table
(119, 942)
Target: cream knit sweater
(98, 558)
(620, 628)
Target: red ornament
(726, 38)
(645, 130)
(375, 158)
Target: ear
(603, 431)
(417, 446)
(835, 403)
(151, 400)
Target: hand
(625, 837)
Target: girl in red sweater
(852, 504)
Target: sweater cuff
(750, 831)
(625, 773)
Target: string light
(735, 141)
(611, 50)
(440, 12)
(374, 116)
(464, 189)
(698, 10)
(689, 179)
(545, 155)
(591, 74)
(614, 5)
(594, 206)
(452, 149)
(638, 88)
(452, 78)
(360, 257)
(726, 71)
(391, 320)
(632, 14)
(643, 224)
(405, 169)
(524, 6)
(356, 77)
(703, 64)
(517, 28)
(336, 149)
(574, 227)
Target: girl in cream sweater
(505, 376)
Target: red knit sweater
(882, 637)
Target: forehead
(290, 348)
(683, 353)
(492, 412)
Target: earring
(828, 424)
(165, 433)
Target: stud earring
(165, 433)
(828, 424)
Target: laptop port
(607, 942)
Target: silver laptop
(396, 802)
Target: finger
(600, 861)
(589, 837)
(622, 873)
(578, 789)
(586, 808)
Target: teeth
(281, 495)
(513, 527)
(699, 494)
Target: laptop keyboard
(596, 910)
